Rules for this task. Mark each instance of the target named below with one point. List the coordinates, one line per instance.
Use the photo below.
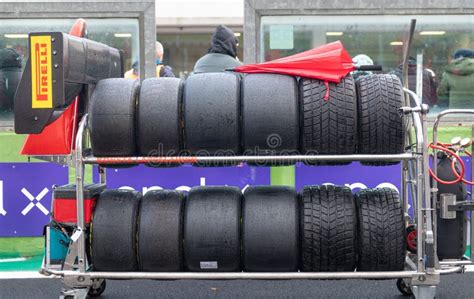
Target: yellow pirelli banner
(41, 72)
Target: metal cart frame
(423, 274)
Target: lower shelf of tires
(263, 229)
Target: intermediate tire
(160, 231)
(270, 233)
(381, 128)
(212, 229)
(270, 115)
(212, 114)
(114, 231)
(158, 117)
(381, 230)
(329, 125)
(112, 117)
(328, 229)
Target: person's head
(362, 59)
(224, 41)
(159, 53)
(9, 58)
(463, 53)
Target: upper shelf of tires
(228, 114)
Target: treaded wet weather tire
(329, 126)
(160, 231)
(212, 114)
(270, 115)
(212, 229)
(270, 231)
(112, 117)
(114, 231)
(381, 230)
(328, 229)
(381, 128)
(158, 117)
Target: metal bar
(404, 193)
(81, 242)
(456, 263)
(419, 75)
(472, 196)
(239, 275)
(254, 159)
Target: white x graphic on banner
(38, 198)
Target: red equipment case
(64, 202)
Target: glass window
(118, 33)
(448, 81)
(183, 50)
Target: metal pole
(81, 241)
(255, 159)
(404, 192)
(472, 196)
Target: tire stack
(225, 114)
(263, 229)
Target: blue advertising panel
(25, 196)
(143, 178)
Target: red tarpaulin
(329, 63)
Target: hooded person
(456, 89)
(10, 75)
(429, 84)
(222, 54)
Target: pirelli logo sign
(41, 72)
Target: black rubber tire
(451, 233)
(212, 114)
(160, 231)
(158, 117)
(381, 230)
(114, 231)
(270, 116)
(381, 127)
(328, 229)
(212, 229)
(112, 117)
(270, 232)
(328, 126)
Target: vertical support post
(429, 211)
(81, 241)
(102, 175)
(472, 197)
(404, 192)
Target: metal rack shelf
(425, 270)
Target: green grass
(21, 247)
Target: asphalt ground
(451, 286)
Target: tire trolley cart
(266, 232)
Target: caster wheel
(404, 287)
(411, 239)
(97, 288)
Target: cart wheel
(98, 287)
(411, 238)
(404, 287)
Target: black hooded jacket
(222, 53)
